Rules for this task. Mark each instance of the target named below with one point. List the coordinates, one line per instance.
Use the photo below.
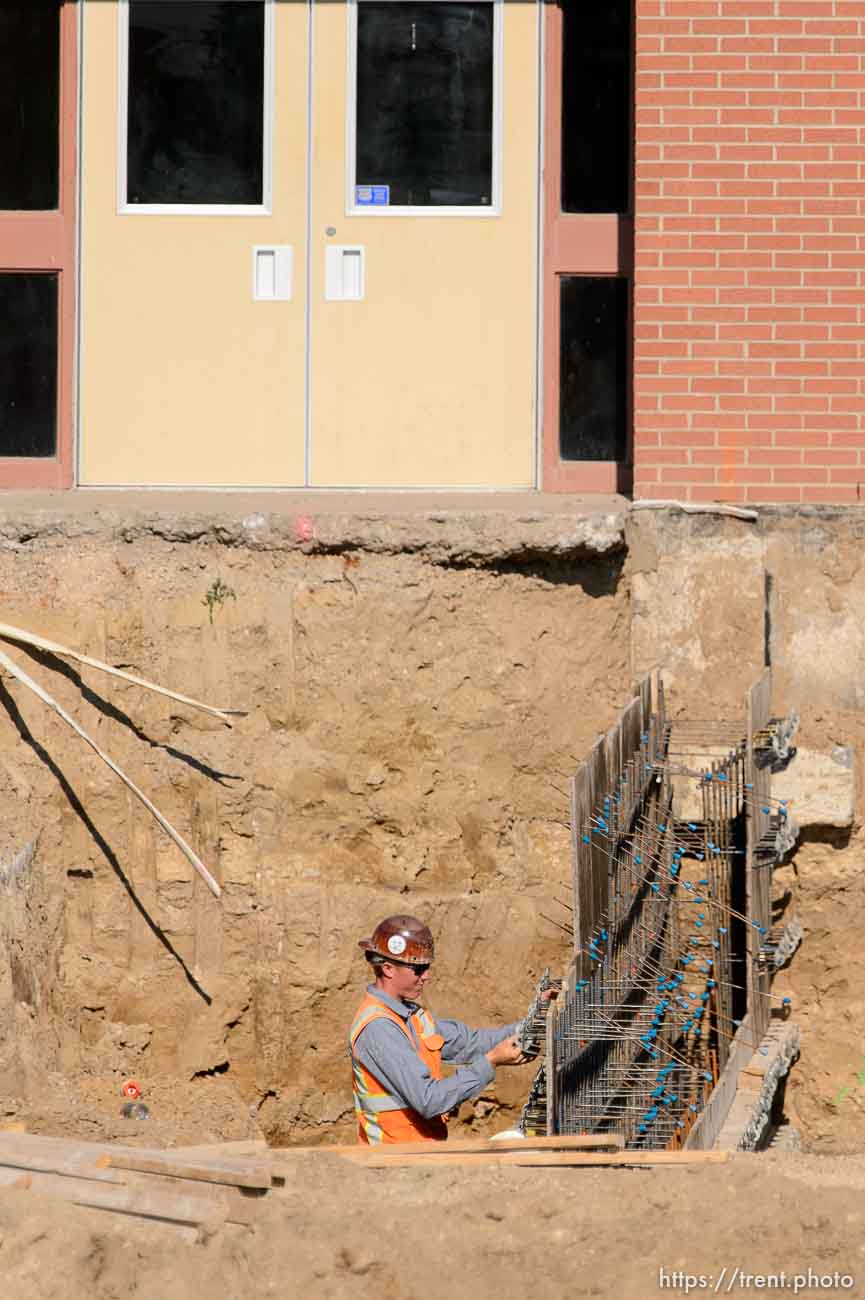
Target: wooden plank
(138, 1200)
(103, 1161)
(53, 1156)
(15, 1178)
(77, 1172)
(548, 1159)
(237, 1173)
(241, 1205)
(471, 1146)
(548, 1142)
(148, 1192)
(188, 1232)
(622, 1158)
(217, 1150)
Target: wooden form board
(395, 1159)
(190, 1188)
(238, 1147)
(181, 1189)
(470, 1146)
(235, 1173)
(92, 1159)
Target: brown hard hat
(401, 938)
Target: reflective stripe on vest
(381, 1116)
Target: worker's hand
(549, 995)
(507, 1052)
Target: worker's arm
(383, 1049)
(464, 1044)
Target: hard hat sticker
(396, 944)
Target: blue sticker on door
(372, 196)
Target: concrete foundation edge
(749, 1120)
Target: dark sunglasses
(419, 967)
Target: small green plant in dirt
(217, 594)
(859, 1086)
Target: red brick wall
(750, 250)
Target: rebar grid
(669, 918)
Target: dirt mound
(338, 1230)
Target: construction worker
(397, 1049)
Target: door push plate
(344, 272)
(272, 272)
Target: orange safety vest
(381, 1116)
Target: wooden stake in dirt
(42, 643)
(19, 674)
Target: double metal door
(360, 313)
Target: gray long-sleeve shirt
(383, 1049)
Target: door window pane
(28, 365)
(29, 104)
(196, 102)
(593, 374)
(596, 106)
(425, 103)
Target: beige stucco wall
(430, 381)
(185, 379)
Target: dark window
(28, 365)
(593, 373)
(29, 104)
(596, 106)
(196, 101)
(425, 102)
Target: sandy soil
(825, 1096)
(341, 1231)
(709, 598)
(410, 733)
(181, 1113)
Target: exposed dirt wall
(825, 1097)
(697, 588)
(419, 690)
(31, 934)
(412, 723)
(816, 613)
(713, 598)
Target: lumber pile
(561, 1152)
(187, 1191)
(206, 1187)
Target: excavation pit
(419, 688)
